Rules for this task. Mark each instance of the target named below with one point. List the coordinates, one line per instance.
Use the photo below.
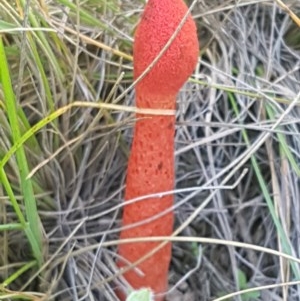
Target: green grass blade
(26, 184)
(4, 181)
(283, 144)
(18, 273)
(25, 226)
(264, 188)
(11, 226)
(87, 17)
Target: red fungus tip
(159, 22)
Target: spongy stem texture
(150, 170)
(151, 161)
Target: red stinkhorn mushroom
(151, 162)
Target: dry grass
(237, 148)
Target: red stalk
(151, 162)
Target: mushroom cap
(158, 23)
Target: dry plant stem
(151, 163)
